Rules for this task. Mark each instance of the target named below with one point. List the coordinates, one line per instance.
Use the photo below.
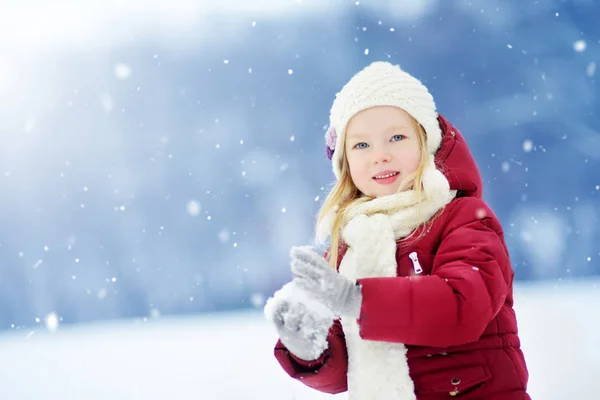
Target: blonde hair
(344, 194)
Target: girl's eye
(361, 145)
(396, 138)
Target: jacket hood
(455, 161)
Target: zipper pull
(415, 261)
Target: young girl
(414, 299)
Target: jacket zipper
(415, 261)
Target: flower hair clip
(330, 139)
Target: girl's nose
(381, 158)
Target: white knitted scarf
(379, 370)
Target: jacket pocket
(455, 382)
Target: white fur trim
(383, 84)
(376, 370)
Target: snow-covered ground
(229, 355)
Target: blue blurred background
(161, 158)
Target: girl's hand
(313, 274)
(301, 324)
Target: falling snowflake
(51, 322)
(122, 71)
(580, 46)
(193, 208)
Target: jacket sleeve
(467, 287)
(328, 373)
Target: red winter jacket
(456, 318)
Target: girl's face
(382, 147)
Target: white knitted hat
(380, 84)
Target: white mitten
(301, 322)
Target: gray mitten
(302, 328)
(313, 274)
